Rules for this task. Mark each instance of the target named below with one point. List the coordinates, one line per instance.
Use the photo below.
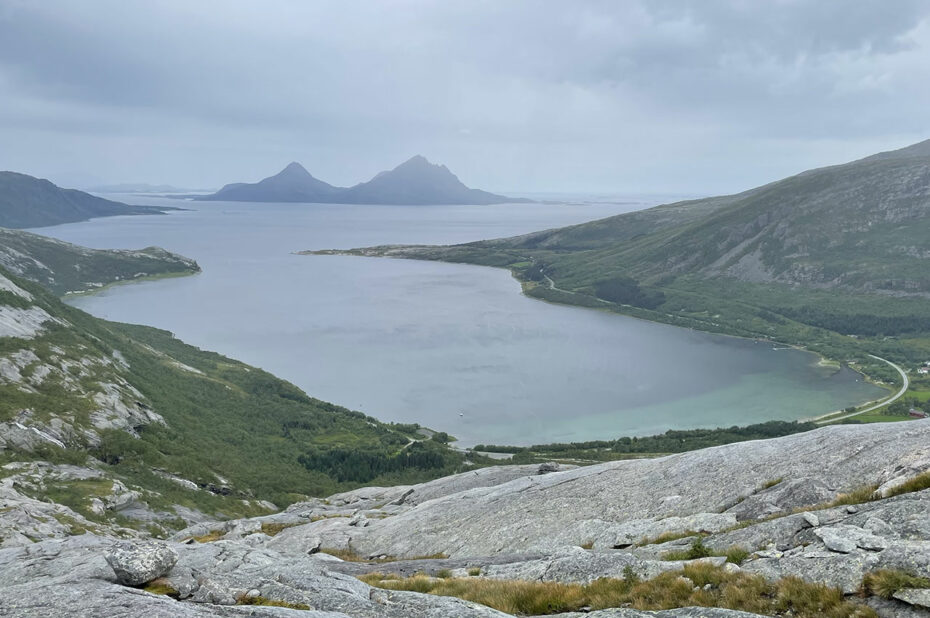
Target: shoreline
(821, 361)
(112, 284)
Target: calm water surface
(454, 347)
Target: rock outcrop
(618, 504)
(632, 518)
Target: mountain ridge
(27, 201)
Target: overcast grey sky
(671, 96)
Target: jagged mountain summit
(292, 184)
(26, 201)
(416, 181)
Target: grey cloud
(677, 95)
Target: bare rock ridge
(771, 498)
(416, 181)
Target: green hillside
(188, 428)
(63, 267)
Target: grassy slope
(63, 267)
(224, 418)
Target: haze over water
(453, 347)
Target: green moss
(162, 587)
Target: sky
(617, 96)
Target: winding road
(820, 420)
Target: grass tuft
(665, 537)
(918, 483)
(885, 582)
(259, 600)
(771, 483)
(860, 495)
(272, 529)
(213, 535)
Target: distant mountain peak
(294, 169)
(416, 160)
(415, 181)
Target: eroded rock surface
(511, 522)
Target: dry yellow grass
(739, 591)
(213, 535)
(272, 529)
(885, 582)
(918, 483)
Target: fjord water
(453, 347)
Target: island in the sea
(414, 182)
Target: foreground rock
(614, 505)
(72, 577)
(140, 563)
(512, 522)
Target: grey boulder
(139, 563)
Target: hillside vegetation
(182, 426)
(63, 267)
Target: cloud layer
(695, 96)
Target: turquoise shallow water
(451, 346)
